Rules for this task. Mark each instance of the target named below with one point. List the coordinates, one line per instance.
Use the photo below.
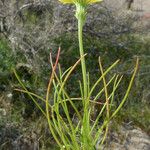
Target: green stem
(81, 15)
(80, 29)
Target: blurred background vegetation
(30, 30)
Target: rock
(128, 138)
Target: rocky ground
(129, 138)
(138, 7)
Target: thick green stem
(80, 28)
